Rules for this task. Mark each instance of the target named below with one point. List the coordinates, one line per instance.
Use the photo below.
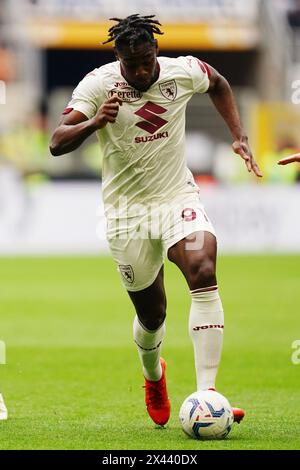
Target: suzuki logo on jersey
(169, 89)
(153, 122)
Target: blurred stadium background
(47, 46)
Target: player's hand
(291, 159)
(108, 112)
(241, 148)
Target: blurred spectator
(294, 16)
(7, 64)
(7, 60)
(284, 6)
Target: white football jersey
(144, 150)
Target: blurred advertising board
(193, 24)
(178, 10)
(67, 218)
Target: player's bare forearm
(68, 137)
(223, 99)
(75, 128)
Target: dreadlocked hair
(133, 29)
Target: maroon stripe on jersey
(201, 65)
(67, 110)
(204, 67)
(208, 70)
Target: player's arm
(291, 159)
(222, 97)
(74, 128)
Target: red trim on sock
(204, 289)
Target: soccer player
(137, 107)
(292, 159)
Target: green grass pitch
(73, 378)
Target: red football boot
(238, 413)
(156, 399)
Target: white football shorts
(140, 243)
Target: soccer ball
(206, 415)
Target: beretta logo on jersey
(126, 93)
(169, 89)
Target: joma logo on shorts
(152, 122)
(207, 327)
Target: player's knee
(155, 318)
(202, 273)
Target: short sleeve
(198, 72)
(87, 96)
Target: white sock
(149, 346)
(206, 324)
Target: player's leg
(196, 258)
(140, 263)
(197, 261)
(149, 331)
(149, 325)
